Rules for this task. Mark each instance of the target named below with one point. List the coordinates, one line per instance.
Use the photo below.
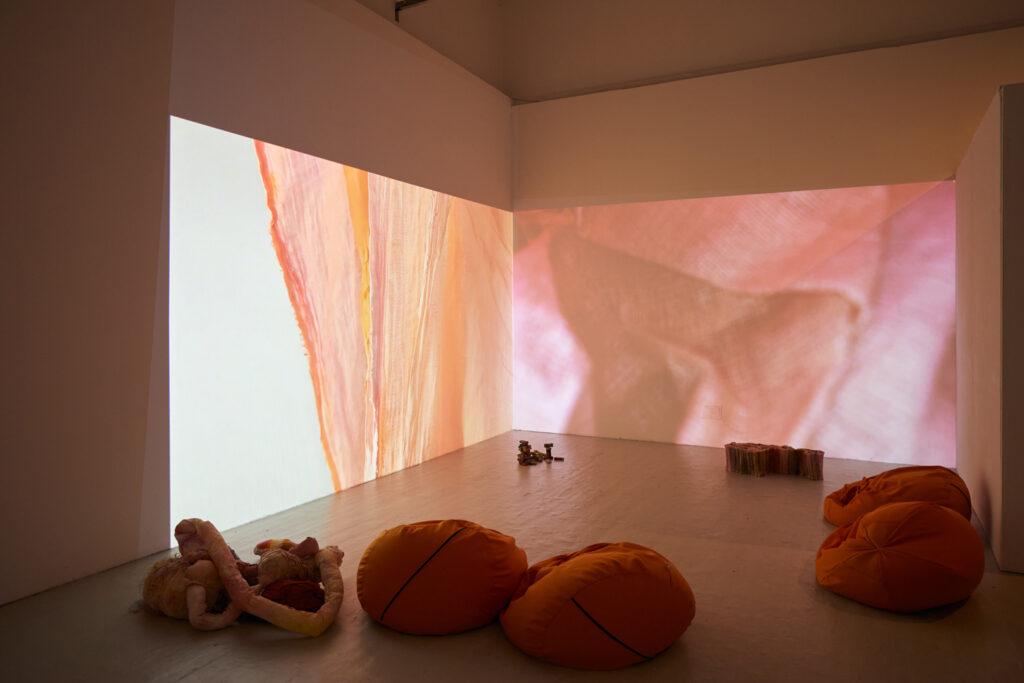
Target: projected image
(822, 319)
(327, 325)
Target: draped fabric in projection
(403, 297)
(822, 319)
(325, 325)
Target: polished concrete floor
(745, 545)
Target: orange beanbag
(438, 577)
(903, 557)
(604, 607)
(929, 483)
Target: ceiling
(534, 50)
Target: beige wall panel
(979, 323)
(882, 116)
(1012, 545)
(85, 117)
(345, 85)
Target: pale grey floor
(745, 545)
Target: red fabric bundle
(305, 595)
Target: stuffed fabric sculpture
(181, 588)
(606, 606)
(903, 557)
(922, 483)
(438, 577)
(211, 588)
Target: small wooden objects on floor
(528, 456)
(760, 459)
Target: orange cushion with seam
(931, 484)
(903, 557)
(606, 606)
(438, 577)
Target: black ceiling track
(402, 4)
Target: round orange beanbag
(903, 557)
(927, 483)
(438, 577)
(604, 607)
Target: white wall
(344, 85)
(471, 33)
(878, 117)
(979, 381)
(85, 157)
(990, 326)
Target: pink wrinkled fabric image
(403, 298)
(820, 319)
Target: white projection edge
(244, 436)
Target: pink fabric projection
(403, 297)
(821, 319)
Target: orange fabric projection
(402, 296)
(823, 318)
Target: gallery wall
(1013, 325)
(990, 218)
(85, 121)
(877, 117)
(979, 319)
(337, 81)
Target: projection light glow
(327, 325)
(821, 319)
